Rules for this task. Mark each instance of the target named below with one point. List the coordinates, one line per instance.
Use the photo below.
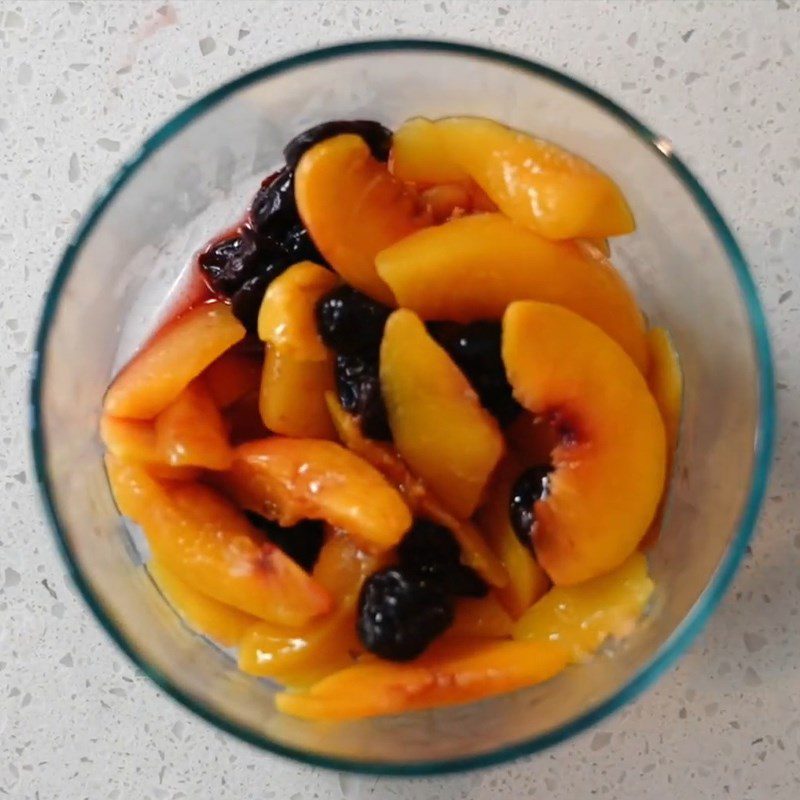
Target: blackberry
(530, 486)
(359, 388)
(350, 322)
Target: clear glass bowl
(196, 174)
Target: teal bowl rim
(698, 615)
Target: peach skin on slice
(385, 458)
(200, 536)
(439, 426)
(286, 319)
(471, 268)
(536, 183)
(190, 431)
(292, 479)
(527, 581)
(292, 396)
(223, 623)
(353, 208)
(231, 377)
(176, 355)
(567, 370)
(582, 617)
(450, 673)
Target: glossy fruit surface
(471, 269)
(376, 136)
(349, 322)
(359, 389)
(438, 424)
(612, 433)
(483, 617)
(529, 488)
(419, 155)
(231, 377)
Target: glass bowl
(195, 175)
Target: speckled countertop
(82, 82)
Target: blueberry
(400, 612)
(273, 210)
(464, 581)
(350, 322)
(475, 348)
(377, 137)
(359, 388)
(228, 262)
(530, 486)
(301, 542)
(246, 301)
(299, 246)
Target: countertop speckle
(82, 82)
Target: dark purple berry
(475, 348)
(532, 485)
(227, 263)
(350, 322)
(400, 612)
(464, 581)
(301, 542)
(377, 137)
(246, 301)
(299, 246)
(359, 388)
(273, 210)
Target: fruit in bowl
(388, 456)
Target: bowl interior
(195, 177)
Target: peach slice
(177, 354)
(353, 208)
(527, 581)
(567, 370)
(666, 382)
(231, 377)
(531, 439)
(286, 319)
(536, 183)
(582, 617)
(190, 431)
(293, 479)
(481, 618)
(223, 623)
(135, 440)
(446, 200)
(292, 397)
(438, 423)
(419, 155)
(197, 534)
(447, 675)
(385, 458)
(243, 419)
(342, 566)
(471, 268)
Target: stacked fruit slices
(422, 421)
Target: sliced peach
(225, 624)
(190, 431)
(444, 676)
(446, 200)
(531, 439)
(567, 370)
(231, 377)
(286, 319)
(481, 618)
(471, 268)
(197, 534)
(292, 398)
(385, 458)
(438, 423)
(300, 657)
(666, 381)
(243, 419)
(353, 208)
(293, 479)
(342, 566)
(135, 440)
(527, 581)
(419, 155)
(171, 360)
(536, 183)
(582, 617)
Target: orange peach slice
(198, 535)
(471, 671)
(231, 377)
(666, 381)
(223, 623)
(527, 581)
(439, 426)
(446, 200)
(385, 458)
(243, 419)
(342, 567)
(353, 208)
(419, 155)
(171, 360)
(286, 319)
(471, 268)
(582, 617)
(536, 183)
(190, 431)
(292, 397)
(293, 479)
(481, 618)
(564, 368)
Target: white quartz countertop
(81, 83)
